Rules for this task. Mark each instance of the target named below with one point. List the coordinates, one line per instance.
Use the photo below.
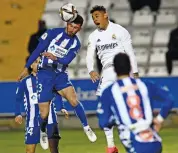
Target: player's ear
(106, 15)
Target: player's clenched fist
(65, 113)
(94, 76)
(18, 119)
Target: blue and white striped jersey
(130, 101)
(60, 44)
(26, 92)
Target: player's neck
(122, 76)
(106, 25)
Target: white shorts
(108, 77)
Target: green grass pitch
(75, 141)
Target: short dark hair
(122, 64)
(98, 8)
(78, 20)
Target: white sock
(109, 137)
(86, 127)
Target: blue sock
(79, 111)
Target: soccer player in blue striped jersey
(130, 101)
(58, 48)
(26, 93)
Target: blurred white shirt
(107, 43)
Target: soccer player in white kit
(107, 40)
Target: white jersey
(108, 43)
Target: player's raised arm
(158, 93)
(163, 95)
(91, 48)
(127, 44)
(44, 42)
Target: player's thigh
(30, 148)
(53, 131)
(70, 94)
(106, 80)
(32, 135)
(44, 108)
(45, 84)
(65, 88)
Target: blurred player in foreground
(58, 47)
(108, 40)
(26, 93)
(130, 102)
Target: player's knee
(30, 150)
(43, 115)
(73, 101)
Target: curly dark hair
(98, 8)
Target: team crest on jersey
(33, 97)
(114, 36)
(44, 36)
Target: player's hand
(65, 113)
(23, 74)
(157, 125)
(18, 119)
(94, 76)
(49, 56)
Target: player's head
(122, 64)
(75, 26)
(100, 16)
(34, 65)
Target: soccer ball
(68, 12)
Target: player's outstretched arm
(167, 100)
(44, 42)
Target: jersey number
(30, 131)
(39, 87)
(133, 103)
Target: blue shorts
(47, 80)
(32, 134)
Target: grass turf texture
(75, 141)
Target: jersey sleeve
(19, 97)
(72, 52)
(159, 93)
(91, 48)
(44, 41)
(127, 45)
(104, 110)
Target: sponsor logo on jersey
(33, 97)
(44, 36)
(107, 46)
